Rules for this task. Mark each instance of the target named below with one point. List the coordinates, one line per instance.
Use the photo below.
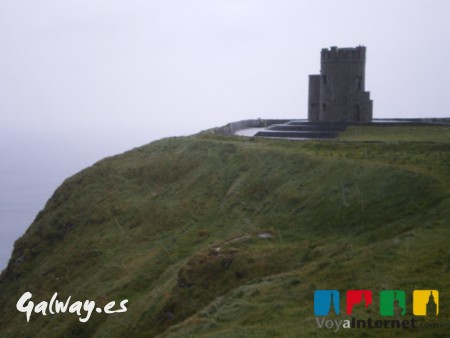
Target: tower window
(324, 107)
(324, 79)
(359, 83)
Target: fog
(81, 80)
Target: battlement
(335, 54)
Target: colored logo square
(425, 302)
(355, 297)
(392, 303)
(324, 300)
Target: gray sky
(83, 79)
(175, 67)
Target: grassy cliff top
(215, 236)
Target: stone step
(297, 134)
(307, 127)
(307, 123)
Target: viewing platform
(306, 130)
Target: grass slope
(175, 227)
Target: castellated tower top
(338, 93)
(335, 54)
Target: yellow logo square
(425, 302)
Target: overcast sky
(173, 67)
(83, 79)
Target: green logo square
(392, 303)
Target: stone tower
(338, 93)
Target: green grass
(368, 210)
(397, 134)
